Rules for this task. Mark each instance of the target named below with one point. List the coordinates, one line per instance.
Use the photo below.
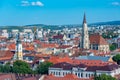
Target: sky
(57, 12)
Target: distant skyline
(57, 12)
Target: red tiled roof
(36, 41)
(58, 37)
(64, 46)
(48, 45)
(90, 62)
(7, 76)
(30, 48)
(97, 39)
(67, 77)
(30, 78)
(71, 76)
(11, 46)
(6, 55)
(55, 60)
(26, 46)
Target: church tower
(85, 36)
(18, 52)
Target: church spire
(84, 19)
(85, 35)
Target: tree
(5, 68)
(104, 77)
(116, 58)
(112, 47)
(43, 67)
(1, 68)
(21, 67)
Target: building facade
(97, 42)
(83, 71)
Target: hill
(107, 23)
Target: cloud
(25, 3)
(28, 3)
(37, 3)
(116, 3)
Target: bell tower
(85, 36)
(18, 51)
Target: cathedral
(93, 42)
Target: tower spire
(84, 19)
(18, 52)
(85, 35)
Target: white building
(27, 31)
(14, 32)
(83, 71)
(5, 33)
(40, 34)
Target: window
(89, 75)
(76, 74)
(59, 73)
(86, 75)
(56, 73)
(63, 73)
(81, 74)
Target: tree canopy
(116, 58)
(113, 46)
(5, 68)
(21, 67)
(104, 77)
(24, 68)
(43, 67)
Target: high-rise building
(85, 36)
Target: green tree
(21, 67)
(1, 68)
(43, 67)
(5, 68)
(116, 58)
(104, 77)
(112, 47)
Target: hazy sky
(22, 12)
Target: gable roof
(6, 55)
(97, 39)
(109, 67)
(68, 66)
